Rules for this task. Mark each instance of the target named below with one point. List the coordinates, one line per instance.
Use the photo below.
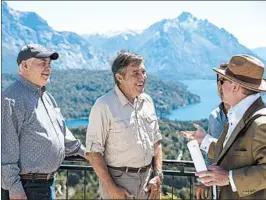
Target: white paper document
(196, 155)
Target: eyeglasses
(222, 80)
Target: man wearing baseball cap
(35, 139)
(240, 152)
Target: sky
(246, 20)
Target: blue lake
(74, 123)
(207, 91)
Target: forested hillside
(76, 91)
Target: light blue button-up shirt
(35, 138)
(217, 121)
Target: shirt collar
(31, 86)
(237, 112)
(123, 99)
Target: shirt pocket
(122, 132)
(121, 125)
(150, 123)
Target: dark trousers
(35, 189)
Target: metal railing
(172, 169)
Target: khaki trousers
(135, 183)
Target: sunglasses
(222, 80)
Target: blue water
(74, 123)
(207, 91)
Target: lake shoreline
(209, 99)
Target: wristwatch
(158, 173)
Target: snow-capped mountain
(184, 47)
(261, 52)
(181, 48)
(20, 28)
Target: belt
(37, 176)
(131, 169)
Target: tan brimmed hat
(246, 71)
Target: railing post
(190, 189)
(173, 187)
(67, 185)
(85, 174)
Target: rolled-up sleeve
(11, 126)
(157, 135)
(98, 128)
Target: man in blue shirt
(217, 121)
(35, 139)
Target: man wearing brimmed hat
(35, 139)
(217, 120)
(240, 152)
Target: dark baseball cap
(35, 51)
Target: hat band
(243, 78)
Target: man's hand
(198, 134)
(99, 165)
(202, 191)
(18, 197)
(214, 176)
(154, 186)
(116, 192)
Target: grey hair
(248, 92)
(122, 60)
(28, 62)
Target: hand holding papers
(196, 156)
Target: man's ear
(236, 87)
(23, 66)
(119, 77)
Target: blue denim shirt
(35, 138)
(217, 121)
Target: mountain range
(21, 28)
(77, 90)
(261, 52)
(181, 48)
